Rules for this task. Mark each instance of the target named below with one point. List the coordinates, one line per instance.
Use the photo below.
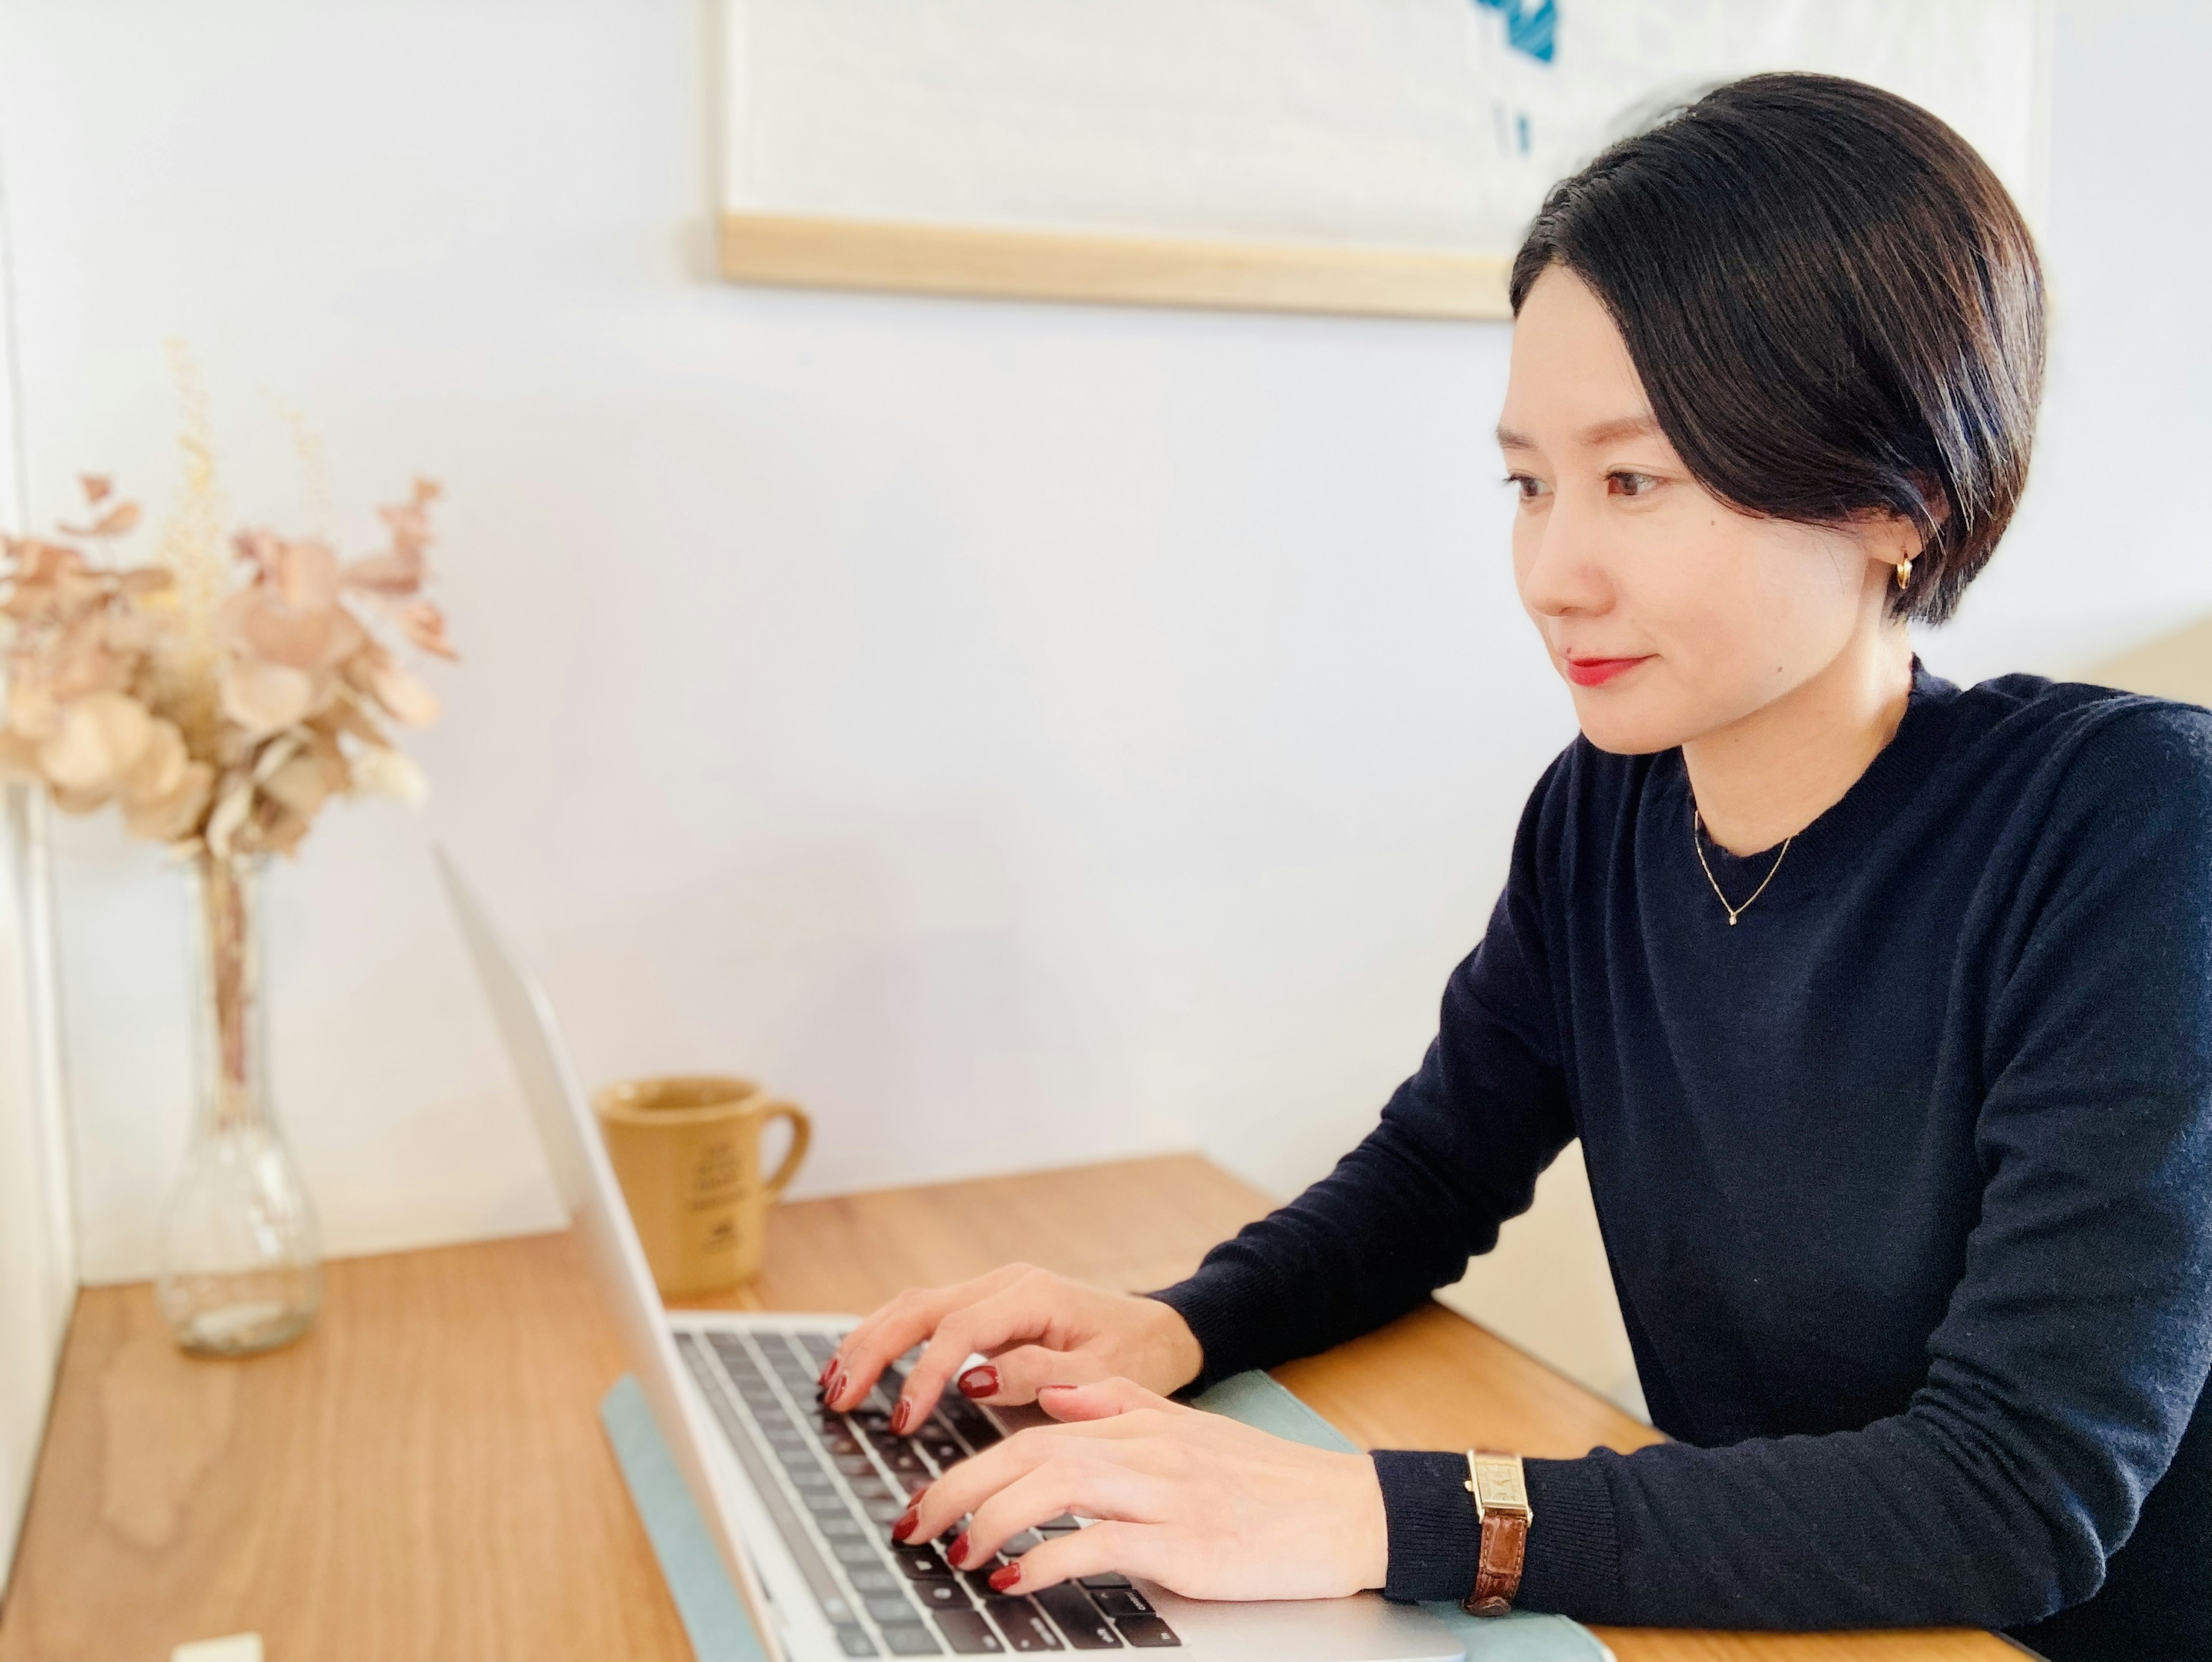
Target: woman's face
(1670, 614)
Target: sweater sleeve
(2077, 1344)
(1458, 1151)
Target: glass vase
(242, 1261)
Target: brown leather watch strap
(1498, 1570)
(1501, 1507)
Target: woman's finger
(967, 1486)
(923, 1304)
(1027, 1311)
(1017, 1374)
(1130, 1548)
(896, 1328)
(1098, 1400)
(1095, 1478)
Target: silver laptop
(800, 1501)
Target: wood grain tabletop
(425, 1476)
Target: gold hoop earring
(1904, 573)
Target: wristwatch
(1500, 1489)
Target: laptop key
(942, 1595)
(968, 1633)
(1023, 1625)
(854, 1640)
(1118, 1602)
(735, 1357)
(1148, 1632)
(915, 1641)
(974, 1427)
(1109, 1580)
(1071, 1609)
(891, 1607)
(922, 1564)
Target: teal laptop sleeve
(720, 1631)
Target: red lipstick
(1596, 672)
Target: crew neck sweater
(1904, 1180)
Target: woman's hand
(1038, 1329)
(1195, 1502)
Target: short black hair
(1833, 304)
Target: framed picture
(1384, 156)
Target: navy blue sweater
(1906, 1181)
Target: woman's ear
(1892, 539)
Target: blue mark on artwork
(1533, 29)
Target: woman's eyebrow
(1591, 438)
(1612, 432)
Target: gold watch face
(1499, 1483)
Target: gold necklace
(1696, 843)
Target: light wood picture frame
(1297, 156)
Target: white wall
(38, 1244)
(1024, 733)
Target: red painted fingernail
(822, 1380)
(960, 1549)
(904, 1527)
(901, 1417)
(837, 1385)
(1005, 1576)
(980, 1381)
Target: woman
(1883, 1008)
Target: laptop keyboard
(834, 1483)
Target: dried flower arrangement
(220, 695)
(222, 704)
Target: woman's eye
(1631, 484)
(1527, 486)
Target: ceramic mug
(687, 1151)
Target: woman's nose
(1560, 566)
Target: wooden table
(424, 1476)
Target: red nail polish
(958, 1551)
(822, 1380)
(837, 1385)
(905, 1525)
(1005, 1576)
(982, 1380)
(901, 1417)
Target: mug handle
(802, 1133)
